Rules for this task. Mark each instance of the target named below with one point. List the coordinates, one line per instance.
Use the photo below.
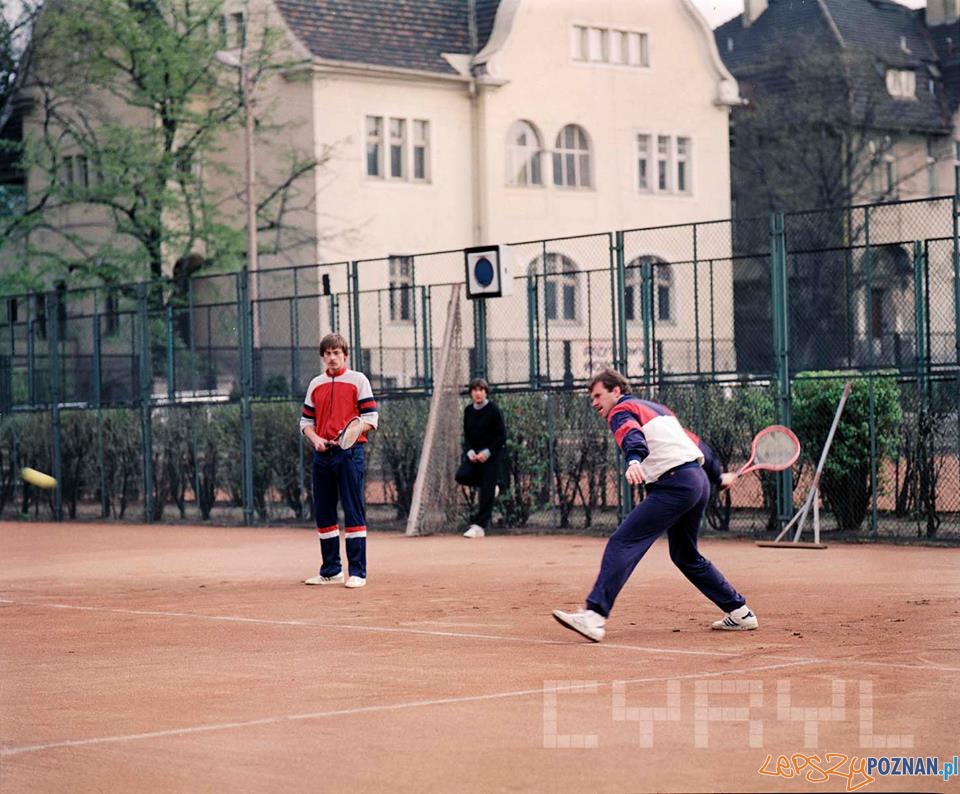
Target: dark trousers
(674, 504)
(338, 476)
(483, 476)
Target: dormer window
(902, 83)
(904, 47)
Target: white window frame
(686, 160)
(524, 161)
(373, 139)
(414, 138)
(564, 280)
(421, 146)
(621, 48)
(644, 160)
(397, 143)
(902, 83)
(664, 162)
(564, 156)
(401, 286)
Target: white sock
(741, 613)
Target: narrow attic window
(729, 43)
(903, 44)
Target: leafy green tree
(845, 481)
(131, 113)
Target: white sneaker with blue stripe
(741, 619)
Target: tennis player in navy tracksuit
(334, 398)
(675, 466)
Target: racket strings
(775, 448)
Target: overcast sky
(718, 11)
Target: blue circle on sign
(483, 272)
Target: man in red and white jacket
(677, 469)
(334, 398)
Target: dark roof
(406, 34)
(890, 34)
(946, 41)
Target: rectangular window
(932, 186)
(421, 150)
(628, 302)
(663, 302)
(550, 299)
(11, 310)
(65, 173)
(374, 146)
(239, 29)
(111, 313)
(81, 173)
(890, 177)
(643, 162)
(683, 165)
(401, 289)
(598, 45)
(876, 313)
(637, 49)
(398, 146)
(578, 43)
(617, 41)
(663, 162)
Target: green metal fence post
(244, 317)
(781, 340)
(533, 346)
(171, 373)
(620, 312)
(919, 316)
(868, 294)
(146, 388)
(425, 333)
(355, 312)
(97, 398)
(646, 309)
(480, 337)
(53, 346)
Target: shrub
(845, 481)
(525, 466)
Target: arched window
(524, 155)
(663, 299)
(561, 286)
(571, 158)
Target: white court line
(474, 636)
(316, 715)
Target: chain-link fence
(180, 399)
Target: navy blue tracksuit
(676, 498)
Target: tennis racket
(350, 433)
(775, 448)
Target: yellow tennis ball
(37, 478)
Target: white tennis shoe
(741, 619)
(585, 622)
(475, 531)
(337, 578)
(356, 581)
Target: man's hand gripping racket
(775, 448)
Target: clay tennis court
(170, 658)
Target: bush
(845, 481)
(525, 465)
(395, 446)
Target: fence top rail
(870, 205)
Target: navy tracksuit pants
(673, 504)
(338, 475)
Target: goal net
(435, 505)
